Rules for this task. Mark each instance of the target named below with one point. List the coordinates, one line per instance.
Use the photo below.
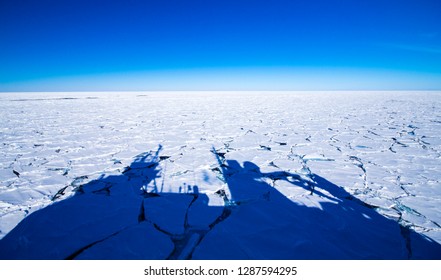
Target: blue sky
(220, 45)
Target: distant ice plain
(383, 148)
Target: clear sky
(69, 45)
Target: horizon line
(209, 90)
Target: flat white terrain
(220, 175)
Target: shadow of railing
(128, 216)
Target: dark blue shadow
(128, 216)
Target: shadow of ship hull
(115, 217)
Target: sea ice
(220, 175)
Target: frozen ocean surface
(220, 175)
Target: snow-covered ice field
(220, 175)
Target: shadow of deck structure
(118, 217)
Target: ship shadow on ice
(129, 216)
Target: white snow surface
(220, 175)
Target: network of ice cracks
(317, 153)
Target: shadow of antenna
(144, 167)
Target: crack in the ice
(105, 190)
(391, 149)
(305, 169)
(398, 142)
(263, 147)
(59, 193)
(84, 248)
(185, 244)
(228, 206)
(141, 216)
(16, 173)
(405, 233)
(371, 132)
(359, 163)
(401, 185)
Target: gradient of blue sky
(219, 45)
